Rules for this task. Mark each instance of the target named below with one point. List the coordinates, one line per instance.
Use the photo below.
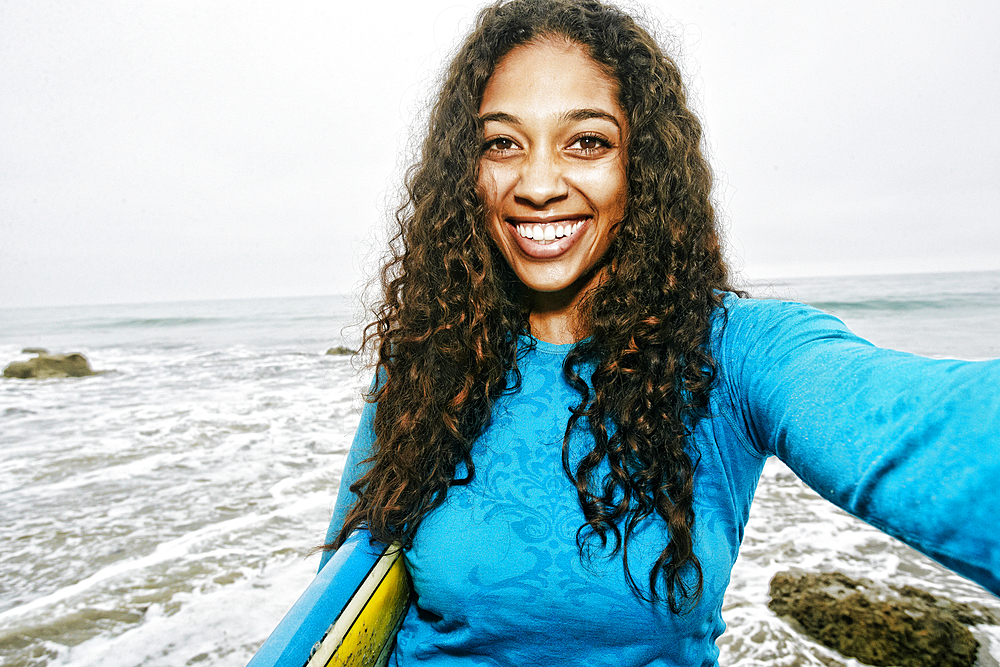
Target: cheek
(488, 188)
(487, 191)
(618, 191)
(608, 190)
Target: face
(552, 171)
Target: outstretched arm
(909, 444)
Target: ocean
(161, 513)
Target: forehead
(548, 77)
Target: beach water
(161, 513)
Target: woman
(573, 408)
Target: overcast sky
(224, 148)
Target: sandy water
(160, 514)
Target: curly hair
(446, 330)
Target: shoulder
(746, 315)
(753, 336)
(741, 324)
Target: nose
(541, 179)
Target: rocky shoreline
(44, 365)
(879, 624)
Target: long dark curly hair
(446, 330)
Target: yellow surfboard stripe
(368, 640)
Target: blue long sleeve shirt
(909, 444)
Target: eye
(589, 144)
(499, 145)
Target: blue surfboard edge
(291, 642)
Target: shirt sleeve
(354, 469)
(909, 444)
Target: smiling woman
(572, 406)
(553, 175)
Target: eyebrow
(499, 117)
(573, 115)
(587, 114)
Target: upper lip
(546, 219)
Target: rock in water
(340, 349)
(50, 366)
(873, 623)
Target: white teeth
(547, 233)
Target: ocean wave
(884, 305)
(934, 302)
(159, 322)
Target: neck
(555, 316)
(554, 326)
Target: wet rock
(966, 614)
(340, 349)
(876, 624)
(47, 365)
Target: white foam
(180, 548)
(221, 627)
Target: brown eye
(590, 143)
(499, 144)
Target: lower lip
(548, 250)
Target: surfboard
(349, 614)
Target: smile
(547, 233)
(546, 240)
